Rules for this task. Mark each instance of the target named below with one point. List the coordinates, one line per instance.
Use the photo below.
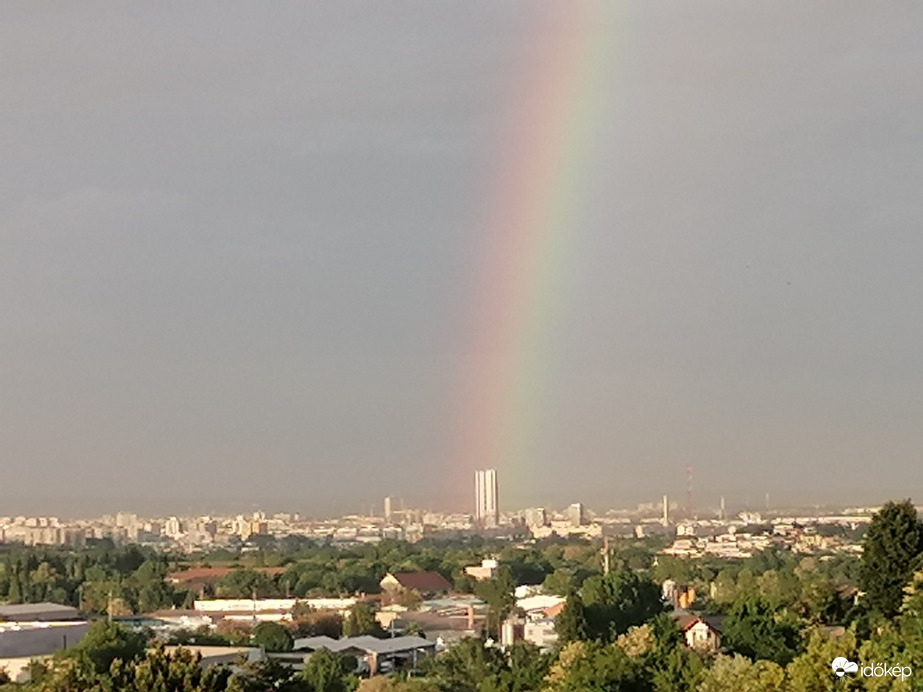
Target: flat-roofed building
(21, 638)
(486, 570)
(38, 612)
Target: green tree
(811, 670)
(380, 683)
(780, 588)
(14, 595)
(678, 669)
(899, 643)
(751, 629)
(361, 620)
(618, 600)
(236, 632)
(571, 624)
(245, 583)
(468, 666)
(328, 624)
(560, 582)
(269, 674)
(594, 667)
(739, 674)
(326, 671)
(154, 672)
(891, 552)
(724, 587)
(106, 642)
(180, 670)
(499, 595)
(272, 637)
(526, 668)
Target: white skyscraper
(575, 514)
(486, 508)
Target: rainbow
(529, 225)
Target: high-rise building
(575, 515)
(535, 517)
(388, 509)
(173, 527)
(486, 507)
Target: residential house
(703, 632)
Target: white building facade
(486, 507)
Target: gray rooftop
(38, 611)
(396, 644)
(364, 643)
(312, 643)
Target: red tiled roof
(555, 610)
(713, 622)
(422, 581)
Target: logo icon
(841, 666)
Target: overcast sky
(240, 246)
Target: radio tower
(689, 491)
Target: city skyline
(319, 256)
(719, 508)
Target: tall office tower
(575, 514)
(666, 511)
(388, 509)
(486, 508)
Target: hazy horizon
(328, 253)
(87, 508)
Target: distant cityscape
(713, 531)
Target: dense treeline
(326, 570)
(95, 579)
(132, 579)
